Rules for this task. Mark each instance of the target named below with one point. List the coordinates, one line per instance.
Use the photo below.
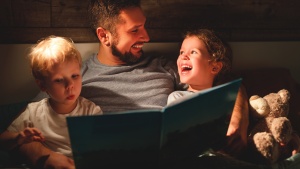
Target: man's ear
(103, 36)
(216, 67)
(41, 84)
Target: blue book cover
(153, 138)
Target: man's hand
(41, 157)
(236, 140)
(57, 161)
(295, 143)
(238, 126)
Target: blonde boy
(56, 67)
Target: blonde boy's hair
(50, 51)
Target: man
(120, 77)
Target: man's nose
(145, 36)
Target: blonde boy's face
(193, 64)
(63, 83)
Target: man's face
(130, 36)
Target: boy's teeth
(137, 46)
(185, 67)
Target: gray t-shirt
(145, 85)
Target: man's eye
(135, 30)
(75, 76)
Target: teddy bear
(271, 137)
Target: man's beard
(128, 58)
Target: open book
(153, 138)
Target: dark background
(25, 21)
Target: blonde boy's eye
(58, 80)
(181, 52)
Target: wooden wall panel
(5, 13)
(69, 13)
(30, 13)
(25, 21)
(246, 14)
(32, 35)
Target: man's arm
(238, 126)
(41, 157)
(10, 140)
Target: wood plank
(69, 13)
(30, 13)
(32, 35)
(5, 13)
(173, 35)
(25, 21)
(85, 35)
(227, 15)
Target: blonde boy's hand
(30, 134)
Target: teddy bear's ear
(259, 106)
(285, 95)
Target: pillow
(9, 112)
